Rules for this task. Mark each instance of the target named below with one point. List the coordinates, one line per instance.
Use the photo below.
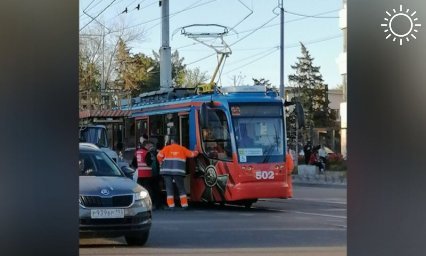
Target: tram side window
(129, 133)
(172, 125)
(156, 124)
(216, 138)
(141, 129)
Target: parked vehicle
(97, 134)
(111, 204)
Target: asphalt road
(311, 223)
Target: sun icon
(399, 18)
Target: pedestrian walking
(172, 159)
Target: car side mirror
(128, 171)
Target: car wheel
(138, 239)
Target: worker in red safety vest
(172, 159)
(147, 170)
(139, 160)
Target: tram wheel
(248, 205)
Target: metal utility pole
(165, 51)
(282, 50)
(282, 60)
(103, 87)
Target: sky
(254, 33)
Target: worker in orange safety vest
(172, 159)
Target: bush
(301, 159)
(335, 162)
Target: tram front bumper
(256, 189)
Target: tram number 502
(264, 175)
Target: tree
(194, 77)
(89, 74)
(312, 91)
(98, 50)
(237, 80)
(262, 81)
(178, 68)
(266, 83)
(147, 73)
(125, 67)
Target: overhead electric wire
(98, 15)
(264, 24)
(251, 12)
(91, 8)
(254, 55)
(101, 1)
(311, 16)
(314, 41)
(87, 7)
(288, 21)
(287, 47)
(201, 59)
(188, 8)
(151, 20)
(251, 62)
(127, 6)
(185, 46)
(255, 30)
(170, 15)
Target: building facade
(341, 62)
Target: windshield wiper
(267, 153)
(276, 143)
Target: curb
(320, 180)
(319, 185)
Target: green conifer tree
(311, 92)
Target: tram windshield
(259, 133)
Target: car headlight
(141, 195)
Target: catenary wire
(98, 15)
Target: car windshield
(95, 135)
(97, 163)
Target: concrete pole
(165, 51)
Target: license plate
(107, 213)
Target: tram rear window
(256, 110)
